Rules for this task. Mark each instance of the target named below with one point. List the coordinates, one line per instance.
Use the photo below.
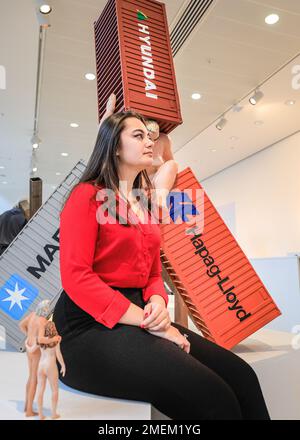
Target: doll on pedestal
(48, 369)
(33, 326)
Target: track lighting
(221, 124)
(35, 141)
(258, 94)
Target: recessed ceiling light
(196, 96)
(53, 186)
(4, 183)
(2, 167)
(35, 146)
(290, 102)
(58, 174)
(45, 9)
(272, 19)
(65, 154)
(258, 122)
(233, 138)
(90, 76)
(74, 125)
(34, 169)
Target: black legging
(209, 383)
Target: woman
(117, 336)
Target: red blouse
(95, 256)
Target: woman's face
(135, 145)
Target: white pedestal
(269, 352)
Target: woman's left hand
(158, 318)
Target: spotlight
(35, 141)
(45, 9)
(258, 94)
(221, 124)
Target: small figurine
(48, 369)
(33, 325)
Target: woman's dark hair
(102, 167)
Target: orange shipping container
(134, 60)
(225, 297)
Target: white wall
(4, 204)
(259, 199)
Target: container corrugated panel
(225, 297)
(134, 60)
(29, 267)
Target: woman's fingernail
(146, 314)
(142, 325)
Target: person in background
(12, 222)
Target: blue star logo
(16, 295)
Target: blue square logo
(16, 295)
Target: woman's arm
(167, 151)
(79, 233)
(133, 315)
(155, 285)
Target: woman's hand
(174, 335)
(157, 317)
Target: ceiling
(228, 54)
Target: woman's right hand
(173, 335)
